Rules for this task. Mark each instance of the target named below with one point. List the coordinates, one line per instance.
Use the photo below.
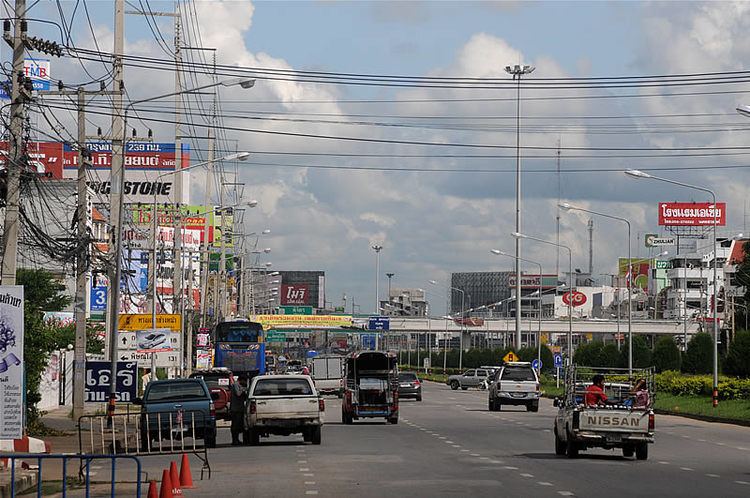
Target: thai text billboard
(692, 213)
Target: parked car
(409, 386)
(173, 409)
(470, 378)
(219, 382)
(283, 405)
(516, 383)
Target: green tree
(666, 355)
(609, 356)
(738, 357)
(641, 353)
(699, 356)
(588, 354)
(41, 293)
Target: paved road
(450, 445)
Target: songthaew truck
(605, 408)
(370, 387)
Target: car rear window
(407, 377)
(282, 387)
(175, 390)
(518, 374)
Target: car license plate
(405, 385)
(518, 395)
(614, 438)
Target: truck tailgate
(286, 407)
(512, 386)
(613, 420)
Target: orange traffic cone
(186, 477)
(166, 485)
(175, 478)
(152, 491)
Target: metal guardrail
(84, 472)
(145, 434)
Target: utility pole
(209, 215)
(116, 196)
(14, 165)
(79, 359)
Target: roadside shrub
(699, 356)
(679, 384)
(738, 357)
(666, 355)
(610, 356)
(588, 354)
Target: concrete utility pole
(116, 195)
(206, 226)
(79, 361)
(13, 165)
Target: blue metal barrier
(84, 474)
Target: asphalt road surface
(451, 445)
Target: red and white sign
(577, 299)
(294, 294)
(692, 213)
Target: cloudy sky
(327, 200)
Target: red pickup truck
(219, 382)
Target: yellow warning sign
(511, 356)
(132, 322)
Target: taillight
(212, 409)
(537, 386)
(416, 383)
(253, 408)
(651, 423)
(321, 405)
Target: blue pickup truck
(175, 409)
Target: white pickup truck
(282, 405)
(580, 425)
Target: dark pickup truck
(176, 409)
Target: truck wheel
(571, 448)
(627, 451)
(641, 451)
(393, 420)
(465, 388)
(560, 445)
(306, 435)
(533, 407)
(419, 398)
(254, 439)
(346, 418)
(455, 385)
(491, 405)
(315, 435)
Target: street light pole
(516, 72)
(518, 235)
(539, 332)
(377, 248)
(640, 174)
(567, 207)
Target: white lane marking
(304, 469)
(721, 444)
(443, 437)
(686, 437)
(508, 467)
(741, 448)
(484, 458)
(742, 482)
(311, 492)
(465, 451)
(301, 461)
(526, 475)
(309, 475)
(456, 445)
(687, 469)
(449, 442)
(712, 475)
(475, 454)
(299, 446)
(309, 483)
(496, 461)
(544, 483)
(565, 493)
(547, 430)
(701, 440)
(664, 463)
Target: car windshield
(407, 377)
(214, 380)
(518, 374)
(283, 387)
(175, 390)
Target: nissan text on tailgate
(594, 413)
(282, 405)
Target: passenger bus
(239, 346)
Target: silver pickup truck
(283, 405)
(585, 420)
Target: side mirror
(138, 401)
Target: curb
(703, 418)
(24, 481)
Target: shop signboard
(12, 399)
(692, 214)
(99, 378)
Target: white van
(328, 374)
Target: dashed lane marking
(311, 492)
(508, 467)
(712, 475)
(484, 458)
(526, 475)
(687, 469)
(465, 451)
(301, 461)
(565, 493)
(456, 445)
(309, 483)
(745, 483)
(664, 463)
(544, 483)
(475, 454)
(304, 469)
(309, 475)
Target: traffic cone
(152, 491)
(186, 477)
(175, 478)
(166, 486)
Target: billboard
(653, 240)
(98, 380)
(692, 213)
(302, 321)
(640, 271)
(532, 281)
(294, 294)
(193, 218)
(12, 409)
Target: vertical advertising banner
(11, 362)
(640, 271)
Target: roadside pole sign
(511, 356)
(558, 360)
(98, 379)
(275, 336)
(99, 298)
(536, 364)
(379, 323)
(133, 340)
(164, 359)
(295, 310)
(12, 399)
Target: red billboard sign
(692, 213)
(294, 294)
(574, 298)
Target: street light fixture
(567, 207)
(539, 333)
(519, 235)
(640, 174)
